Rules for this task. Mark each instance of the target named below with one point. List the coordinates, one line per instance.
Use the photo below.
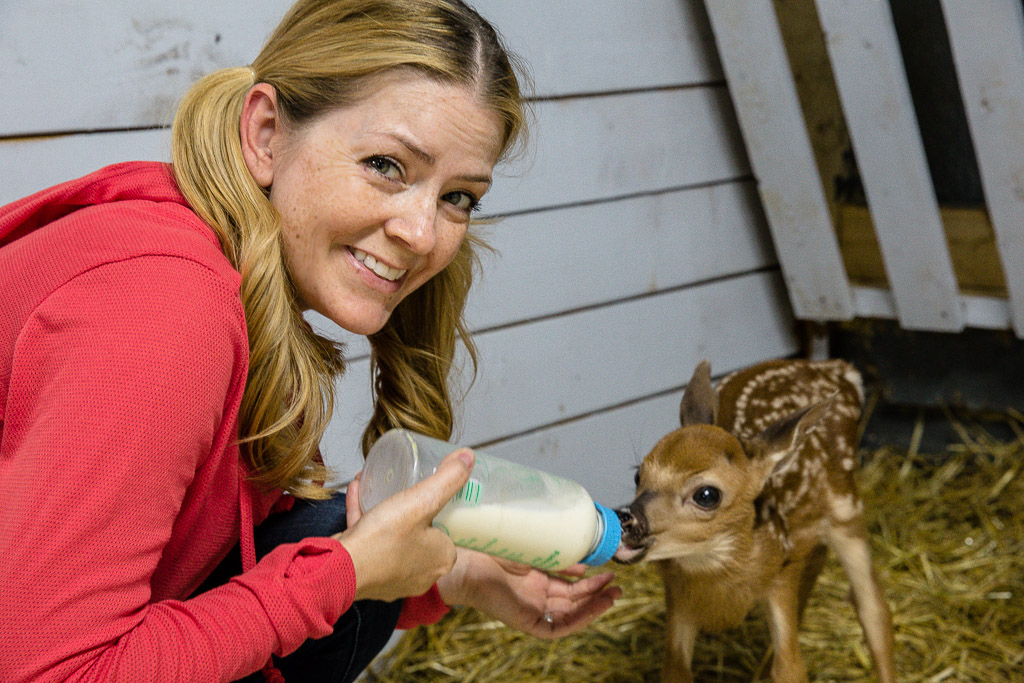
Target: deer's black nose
(626, 518)
(634, 524)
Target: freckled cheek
(448, 243)
(309, 221)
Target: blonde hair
(322, 56)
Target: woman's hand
(526, 598)
(395, 551)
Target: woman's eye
(385, 166)
(707, 497)
(462, 201)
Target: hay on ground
(948, 543)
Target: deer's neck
(719, 593)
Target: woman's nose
(414, 223)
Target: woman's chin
(365, 321)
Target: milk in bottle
(505, 509)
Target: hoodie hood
(128, 181)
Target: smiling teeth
(386, 272)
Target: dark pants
(359, 634)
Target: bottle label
(469, 495)
(492, 546)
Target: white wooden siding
(631, 243)
(544, 373)
(125, 63)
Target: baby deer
(738, 505)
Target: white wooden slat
(984, 312)
(125, 63)
(68, 65)
(875, 97)
(554, 261)
(560, 368)
(587, 46)
(759, 79)
(612, 146)
(31, 164)
(988, 49)
(583, 150)
(600, 451)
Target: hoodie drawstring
(247, 546)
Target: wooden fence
(987, 43)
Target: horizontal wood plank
(600, 451)
(982, 312)
(617, 145)
(583, 150)
(126, 63)
(972, 247)
(561, 368)
(120, 64)
(550, 262)
(553, 261)
(585, 46)
(28, 165)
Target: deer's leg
(783, 621)
(680, 634)
(850, 543)
(815, 562)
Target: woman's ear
(260, 124)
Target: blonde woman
(163, 398)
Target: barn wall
(631, 242)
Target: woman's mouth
(381, 270)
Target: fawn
(737, 507)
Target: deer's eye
(707, 497)
(636, 478)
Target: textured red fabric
(123, 357)
(423, 609)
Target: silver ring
(548, 618)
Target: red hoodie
(123, 357)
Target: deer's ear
(776, 445)
(700, 403)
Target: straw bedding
(948, 543)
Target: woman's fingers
(395, 551)
(571, 606)
(584, 613)
(576, 570)
(352, 508)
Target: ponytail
(289, 392)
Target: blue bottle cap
(609, 540)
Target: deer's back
(818, 482)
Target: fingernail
(467, 457)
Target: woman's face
(375, 198)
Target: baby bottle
(505, 509)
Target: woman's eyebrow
(429, 159)
(412, 147)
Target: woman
(164, 395)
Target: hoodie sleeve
(117, 395)
(422, 610)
